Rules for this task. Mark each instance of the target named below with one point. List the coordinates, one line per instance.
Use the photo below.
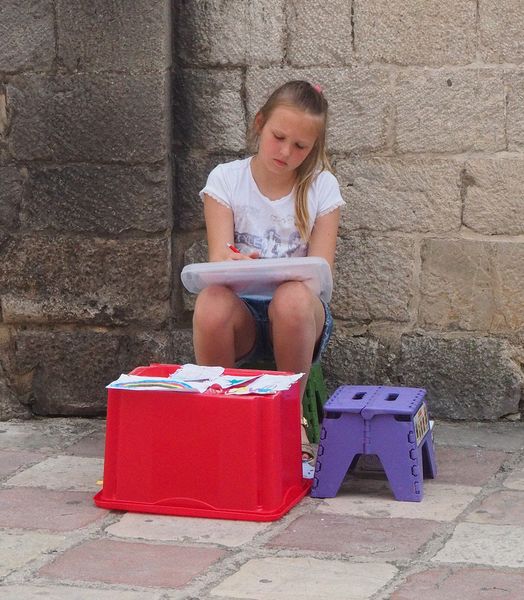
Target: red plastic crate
(202, 455)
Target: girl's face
(286, 138)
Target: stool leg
(428, 457)
(339, 443)
(405, 478)
(394, 442)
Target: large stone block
(4, 119)
(230, 32)
(66, 372)
(59, 381)
(141, 348)
(4, 126)
(472, 285)
(494, 199)
(358, 102)
(192, 170)
(350, 360)
(11, 193)
(466, 378)
(99, 199)
(501, 26)
(456, 285)
(99, 117)
(208, 110)
(315, 37)
(515, 114)
(196, 253)
(413, 195)
(373, 278)
(450, 111)
(10, 406)
(80, 280)
(182, 343)
(27, 38)
(114, 36)
(509, 285)
(434, 32)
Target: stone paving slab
(505, 436)
(382, 539)
(464, 540)
(279, 578)
(66, 592)
(44, 435)
(515, 480)
(496, 545)
(91, 446)
(35, 508)
(361, 498)
(466, 584)
(62, 473)
(17, 549)
(11, 460)
(468, 466)
(186, 529)
(500, 508)
(147, 565)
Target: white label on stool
(421, 423)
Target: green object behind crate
(313, 402)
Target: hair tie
(318, 88)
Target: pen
(233, 248)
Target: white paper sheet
(267, 384)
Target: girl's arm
(323, 238)
(220, 231)
(219, 227)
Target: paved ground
(464, 541)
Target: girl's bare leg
(223, 328)
(297, 319)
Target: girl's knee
(214, 306)
(293, 302)
(214, 293)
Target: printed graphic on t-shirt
(271, 245)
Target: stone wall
(86, 205)
(426, 134)
(113, 112)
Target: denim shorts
(263, 349)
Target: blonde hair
(310, 99)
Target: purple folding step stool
(391, 422)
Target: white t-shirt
(264, 225)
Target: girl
(283, 201)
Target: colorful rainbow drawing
(172, 385)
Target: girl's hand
(240, 256)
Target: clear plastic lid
(260, 277)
